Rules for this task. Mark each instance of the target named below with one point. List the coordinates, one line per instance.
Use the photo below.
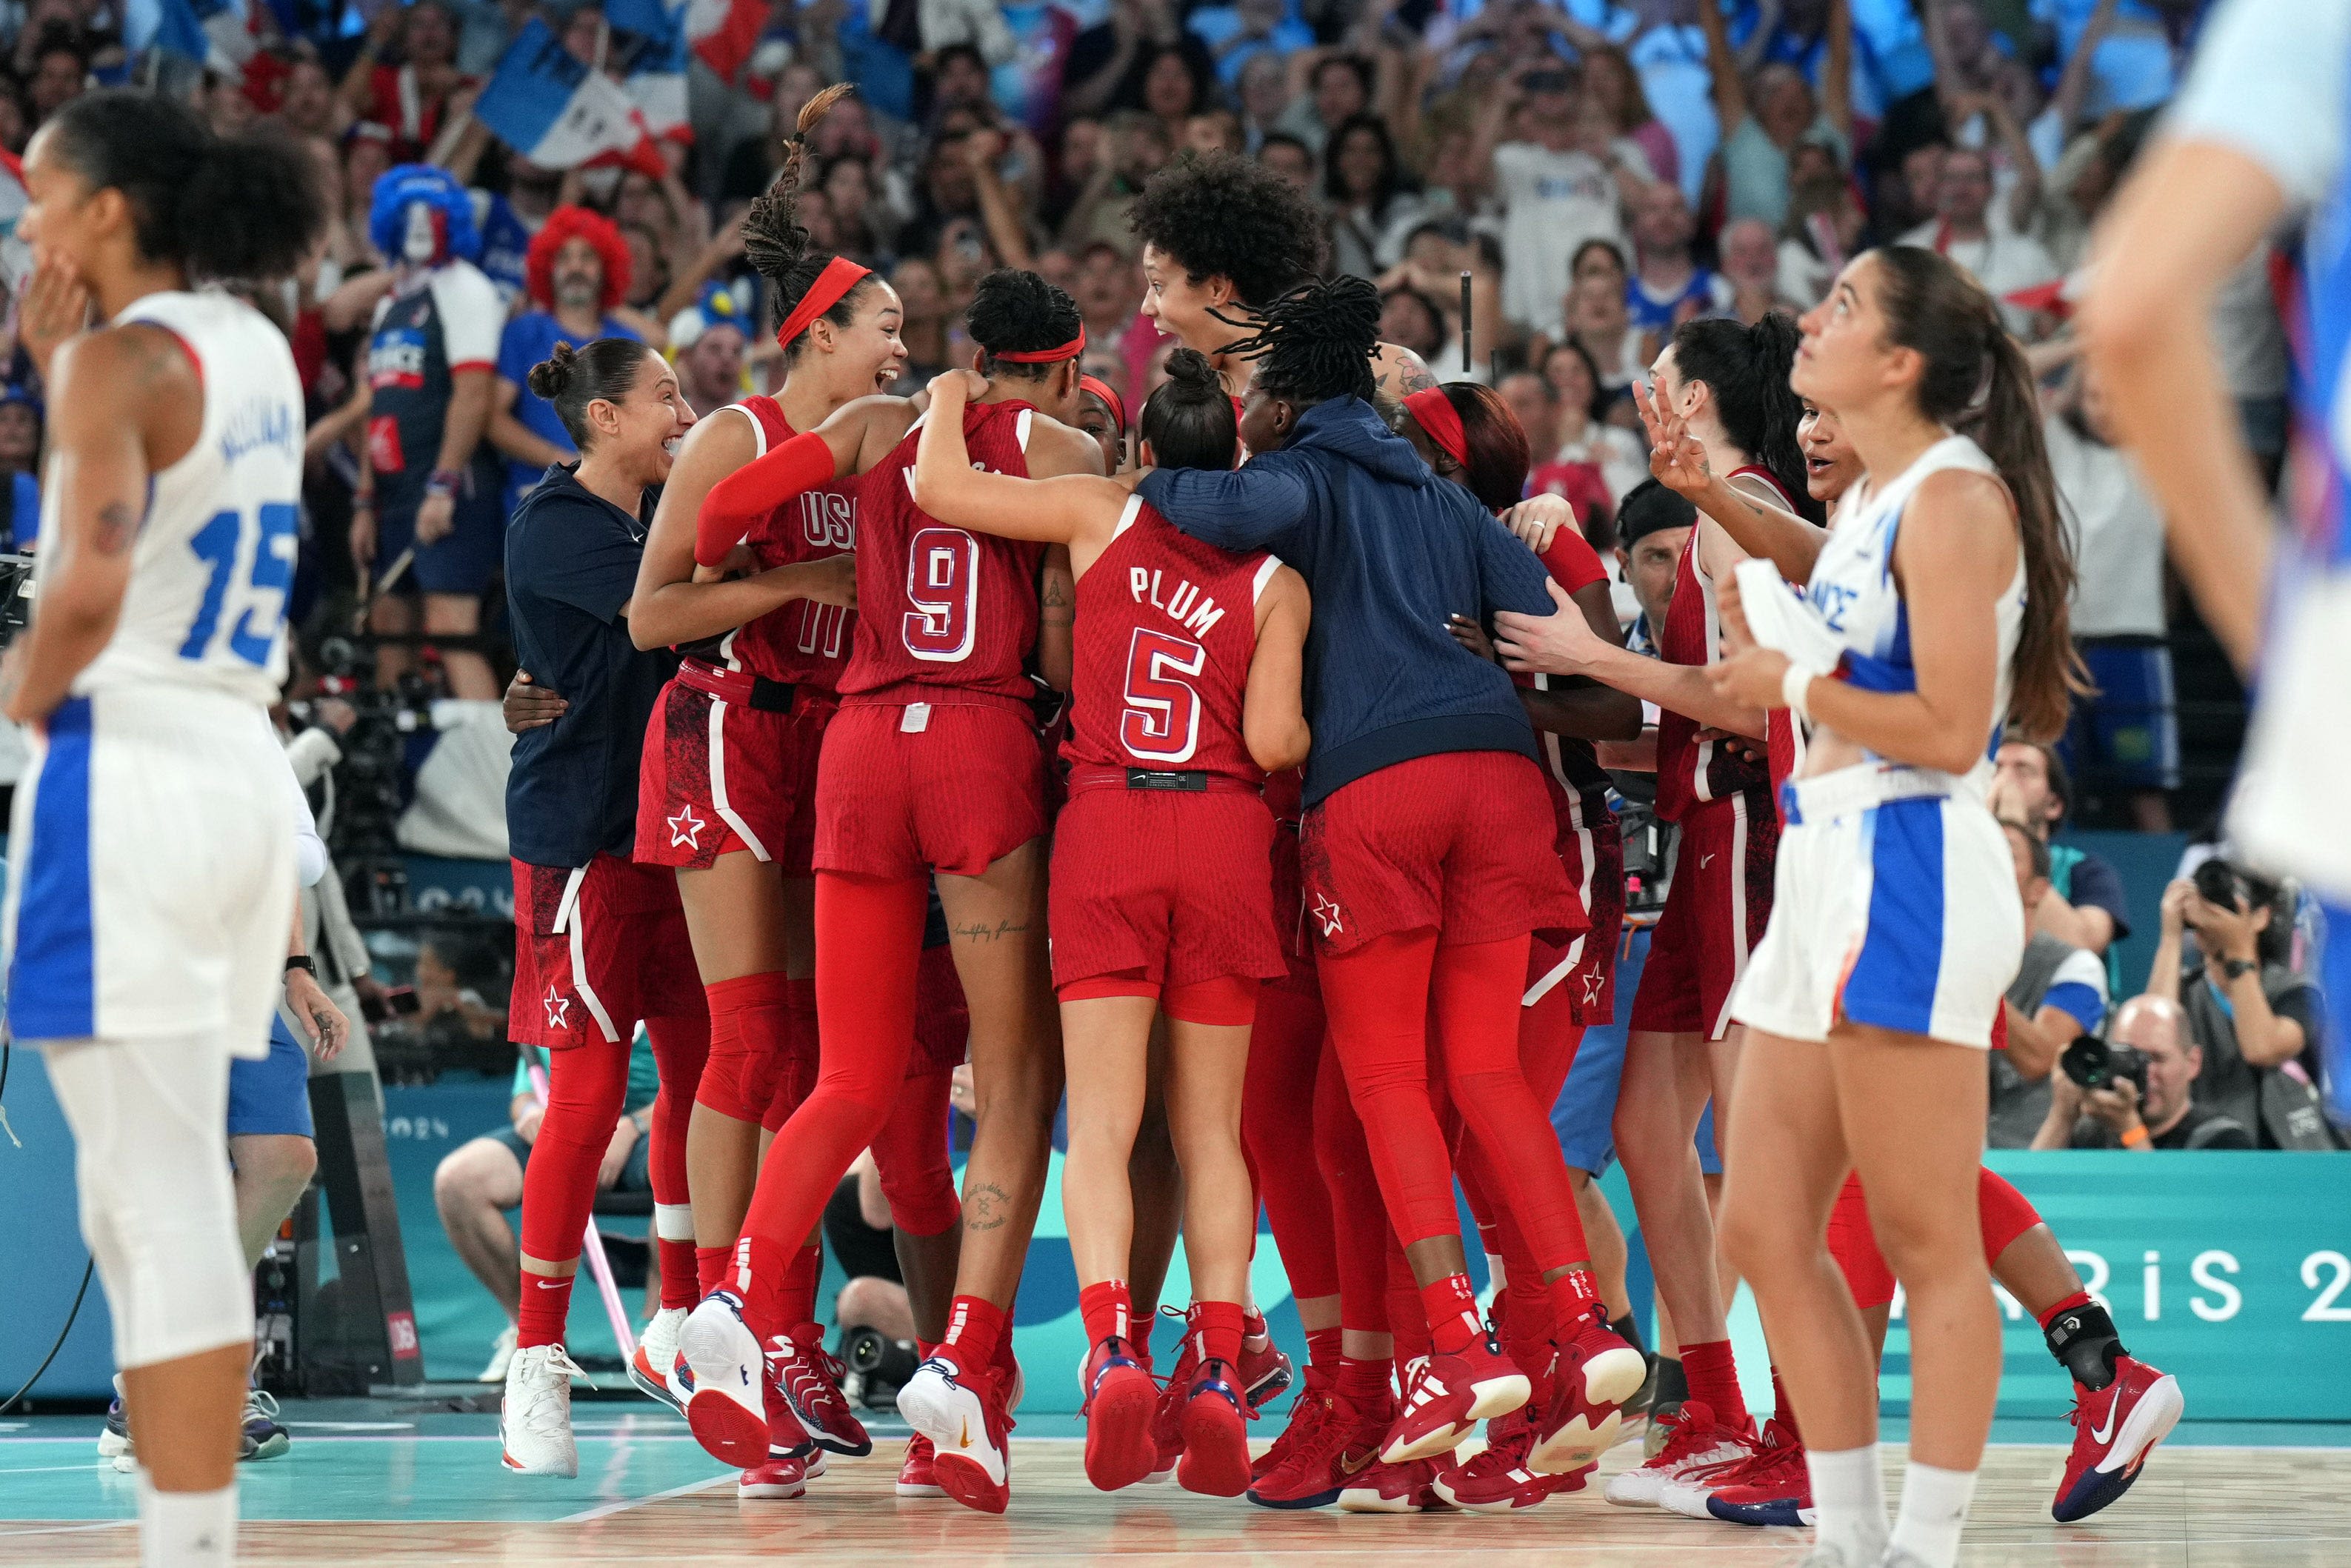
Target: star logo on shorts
(686, 828)
(1328, 913)
(558, 1008)
(1593, 981)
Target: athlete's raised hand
(1676, 458)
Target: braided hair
(1316, 341)
(776, 243)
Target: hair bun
(1190, 371)
(551, 375)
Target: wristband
(303, 962)
(2136, 1137)
(1793, 684)
(443, 481)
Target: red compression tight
(869, 943)
(587, 1087)
(681, 1046)
(1379, 1001)
(1285, 1058)
(1359, 1220)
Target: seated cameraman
(2146, 1041)
(2243, 1003)
(2058, 996)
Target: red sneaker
(1308, 1411)
(1394, 1489)
(1595, 1374)
(919, 1475)
(1167, 1423)
(777, 1479)
(787, 1439)
(1448, 1394)
(1694, 1440)
(962, 1416)
(1264, 1373)
(1215, 1459)
(811, 1383)
(1687, 1496)
(1120, 1405)
(2114, 1429)
(1344, 1444)
(1497, 1480)
(1773, 1488)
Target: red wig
(563, 225)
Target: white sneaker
(1697, 1442)
(728, 1407)
(502, 1351)
(535, 1422)
(114, 1439)
(653, 1365)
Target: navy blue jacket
(1389, 550)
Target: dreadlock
(773, 239)
(1316, 341)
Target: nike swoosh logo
(2105, 1430)
(1351, 1463)
(1705, 861)
(554, 1284)
(963, 1437)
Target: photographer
(2058, 996)
(2243, 1004)
(2148, 1047)
(2083, 903)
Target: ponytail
(1747, 370)
(1976, 381)
(774, 240)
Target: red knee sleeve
(1285, 1060)
(1855, 1246)
(1359, 1219)
(1228, 1001)
(748, 1031)
(797, 1074)
(911, 1153)
(2004, 1212)
(585, 1091)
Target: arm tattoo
(118, 526)
(1055, 596)
(986, 1207)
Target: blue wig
(398, 188)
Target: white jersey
(1853, 585)
(215, 558)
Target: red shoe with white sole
(1451, 1392)
(1307, 1411)
(1394, 1489)
(962, 1416)
(1496, 1478)
(777, 1479)
(1595, 1374)
(729, 1409)
(2114, 1429)
(810, 1379)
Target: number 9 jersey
(215, 559)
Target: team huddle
(1301, 757)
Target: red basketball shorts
(721, 776)
(954, 795)
(1174, 885)
(598, 949)
(1585, 966)
(1715, 914)
(1290, 922)
(1459, 843)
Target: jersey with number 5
(1166, 628)
(944, 614)
(804, 643)
(214, 557)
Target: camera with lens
(2096, 1062)
(2218, 882)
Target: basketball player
(1416, 905)
(1897, 926)
(729, 800)
(930, 768)
(600, 943)
(1185, 692)
(1730, 383)
(155, 792)
(1468, 435)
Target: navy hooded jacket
(1389, 550)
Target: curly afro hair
(1227, 217)
(1016, 312)
(563, 225)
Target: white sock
(1849, 1491)
(186, 1528)
(1934, 1508)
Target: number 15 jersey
(205, 605)
(944, 614)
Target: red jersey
(1166, 627)
(1689, 770)
(948, 615)
(804, 643)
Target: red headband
(1101, 388)
(1437, 415)
(1069, 351)
(839, 276)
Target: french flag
(648, 50)
(558, 113)
(725, 32)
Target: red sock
(1526, 1328)
(2078, 1299)
(710, 1267)
(1108, 1311)
(1363, 1382)
(1322, 1348)
(1452, 1308)
(975, 1325)
(796, 1303)
(546, 1302)
(681, 1275)
(1214, 1328)
(1783, 1409)
(1007, 1363)
(1253, 1325)
(1714, 1381)
(1572, 1296)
